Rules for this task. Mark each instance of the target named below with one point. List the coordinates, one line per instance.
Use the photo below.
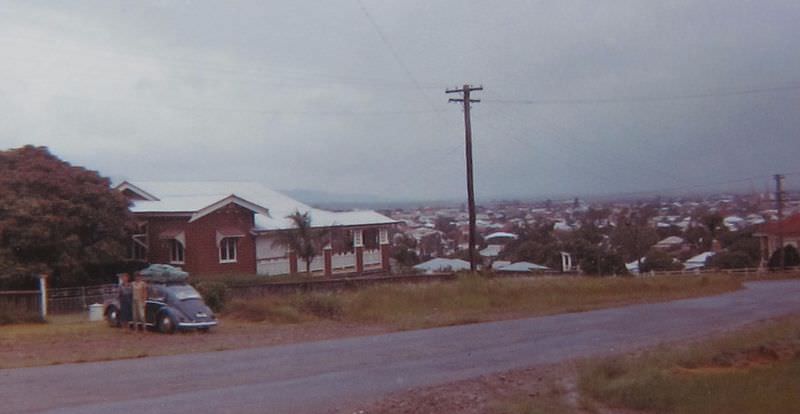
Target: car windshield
(184, 292)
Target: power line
(645, 99)
(394, 53)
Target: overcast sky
(347, 96)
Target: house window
(176, 252)
(227, 250)
(137, 249)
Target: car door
(156, 299)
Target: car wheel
(112, 316)
(166, 324)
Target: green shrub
(215, 294)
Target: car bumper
(193, 325)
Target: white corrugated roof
(521, 267)
(697, 262)
(440, 264)
(492, 250)
(193, 196)
(501, 234)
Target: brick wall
(201, 250)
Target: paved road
(320, 376)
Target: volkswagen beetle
(170, 307)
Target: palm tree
(303, 238)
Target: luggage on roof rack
(163, 273)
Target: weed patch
(746, 372)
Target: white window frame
(228, 245)
(173, 245)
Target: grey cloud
(302, 95)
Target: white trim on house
(177, 248)
(138, 191)
(228, 234)
(235, 249)
(231, 199)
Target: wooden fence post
(43, 296)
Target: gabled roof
(199, 198)
(126, 186)
(697, 262)
(789, 225)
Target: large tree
(58, 219)
(633, 237)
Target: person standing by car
(139, 301)
(125, 301)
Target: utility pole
(465, 99)
(779, 206)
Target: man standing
(125, 301)
(139, 300)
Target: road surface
(323, 376)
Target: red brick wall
(158, 249)
(201, 251)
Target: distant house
(633, 267)
(443, 265)
(734, 223)
(697, 262)
(500, 237)
(234, 227)
(562, 226)
(670, 243)
(522, 267)
(771, 234)
(491, 251)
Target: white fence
(317, 264)
(343, 262)
(268, 267)
(372, 258)
(340, 263)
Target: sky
(348, 96)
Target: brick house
(774, 233)
(233, 227)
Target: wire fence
(746, 271)
(78, 299)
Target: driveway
(322, 376)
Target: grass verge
(473, 298)
(756, 370)
(280, 319)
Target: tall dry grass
(474, 298)
(752, 371)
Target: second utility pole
(465, 90)
(779, 205)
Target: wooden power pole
(465, 99)
(779, 206)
